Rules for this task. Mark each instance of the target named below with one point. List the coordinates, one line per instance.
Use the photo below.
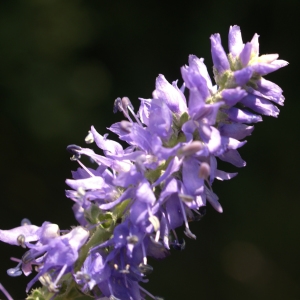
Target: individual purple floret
(132, 200)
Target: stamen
(124, 105)
(73, 149)
(5, 292)
(80, 192)
(155, 222)
(178, 244)
(150, 295)
(21, 240)
(189, 234)
(29, 256)
(191, 148)
(111, 297)
(144, 254)
(157, 235)
(133, 239)
(25, 222)
(85, 168)
(202, 211)
(120, 105)
(15, 272)
(61, 273)
(117, 105)
(46, 280)
(204, 171)
(198, 215)
(187, 231)
(130, 108)
(186, 198)
(82, 276)
(145, 269)
(89, 139)
(126, 270)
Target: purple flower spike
(133, 199)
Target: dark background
(62, 64)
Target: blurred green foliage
(62, 64)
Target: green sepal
(183, 119)
(40, 294)
(92, 213)
(99, 236)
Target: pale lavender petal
(235, 41)
(173, 211)
(246, 54)
(90, 183)
(170, 94)
(213, 200)
(260, 105)
(255, 45)
(173, 166)
(269, 90)
(233, 157)
(105, 144)
(235, 144)
(265, 68)
(219, 56)
(233, 96)
(243, 76)
(193, 79)
(10, 236)
(126, 195)
(236, 130)
(198, 64)
(192, 182)
(243, 116)
(144, 193)
(188, 128)
(221, 175)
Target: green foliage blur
(62, 64)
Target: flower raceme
(130, 204)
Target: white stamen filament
(85, 168)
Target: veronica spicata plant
(131, 204)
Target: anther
(89, 139)
(126, 104)
(83, 276)
(204, 170)
(80, 192)
(198, 214)
(126, 270)
(126, 126)
(202, 211)
(117, 105)
(145, 268)
(25, 222)
(133, 239)
(21, 240)
(112, 297)
(14, 272)
(155, 222)
(178, 244)
(186, 198)
(73, 149)
(189, 234)
(191, 148)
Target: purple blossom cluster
(130, 205)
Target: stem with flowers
(132, 202)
